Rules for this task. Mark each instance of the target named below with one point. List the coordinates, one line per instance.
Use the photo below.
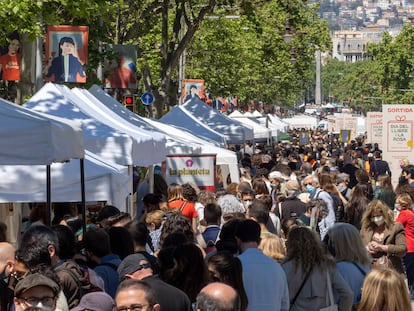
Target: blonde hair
(154, 217)
(404, 200)
(379, 292)
(377, 206)
(175, 192)
(273, 247)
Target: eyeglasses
(33, 301)
(134, 307)
(18, 275)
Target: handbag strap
(182, 206)
(330, 292)
(359, 268)
(292, 302)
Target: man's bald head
(218, 297)
(6, 251)
(6, 257)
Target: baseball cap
(131, 263)
(95, 301)
(33, 280)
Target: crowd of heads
(304, 204)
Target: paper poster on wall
(66, 53)
(398, 127)
(374, 128)
(197, 169)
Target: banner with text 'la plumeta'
(197, 169)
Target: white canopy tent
(150, 148)
(261, 133)
(100, 139)
(233, 131)
(30, 138)
(103, 182)
(104, 102)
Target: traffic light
(129, 102)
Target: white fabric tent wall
(103, 181)
(100, 139)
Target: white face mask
(378, 220)
(247, 203)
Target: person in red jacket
(406, 217)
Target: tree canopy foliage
(386, 77)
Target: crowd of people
(315, 227)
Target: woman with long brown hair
(312, 274)
(383, 238)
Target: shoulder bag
(292, 302)
(331, 303)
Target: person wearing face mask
(6, 268)
(383, 238)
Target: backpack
(208, 246)
(339, 208)
(84, 284)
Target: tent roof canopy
(32, 138)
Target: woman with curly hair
(175, 222)
(383, 238)
(311, 272)
(226, 268)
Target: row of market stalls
(58, 125)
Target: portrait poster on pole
(66, 54)
(120, 67)
(374, 128)
(398, 127)
(197, 169)
(193, 88)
